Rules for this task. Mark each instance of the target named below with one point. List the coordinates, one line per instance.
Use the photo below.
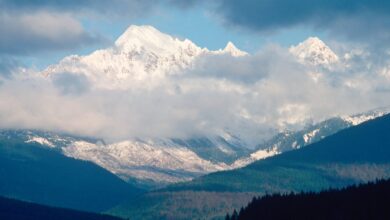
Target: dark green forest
(41, 175)
(366, 201)
(11, 209)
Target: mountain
(32, 172)
(142, 55)
(154, 163)
(368, 201)
(19, 210)
(315, 52)
(357, 154)
(354, 155)
(159, 161)
(291, 140)
(147, 163)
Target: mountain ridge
(140, 54)
(158, 162)
(354, 155)
(32, 172)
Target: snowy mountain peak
(140, 57)
(140, 54)
(138, 34)
(148, 37)
(233, 50)
(315, 52)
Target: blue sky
(196, 23)
(41, 32)
(203, 28)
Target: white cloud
(24, 33)
(249, 96)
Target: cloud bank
(252, 97)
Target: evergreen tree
(234, 215)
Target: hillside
(34, 173)
(19, 210)
(354, 155)
(369, 201)
(154, 163)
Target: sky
(196, 22)
(252, 96)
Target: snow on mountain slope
(140, 54)
(157, 161)
(40, 140)
(290, 140)
(164, 162)
(314, 51)
(257, 155)
(230, 49)
(148, 162)
(360, 118)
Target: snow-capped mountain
(140, 54)
(290, 140)
(230, 49)
(315, 52)
(157, 162)
(163, 162)
(148, 162)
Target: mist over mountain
(159, 109)
(172, 109)
(150, 85)
(352, 156)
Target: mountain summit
(314, 51)
(149, 38)
(142, 55)
(233, 50)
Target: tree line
(364, 201)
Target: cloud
(251, 96)
(129, 8)
(272, 92)
(245, 69)
(361, 20)
(41, 31)
(8, 65)
(71, 84)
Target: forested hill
(368, 201)
(31, 172)
(355, 155)
(11, 209)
